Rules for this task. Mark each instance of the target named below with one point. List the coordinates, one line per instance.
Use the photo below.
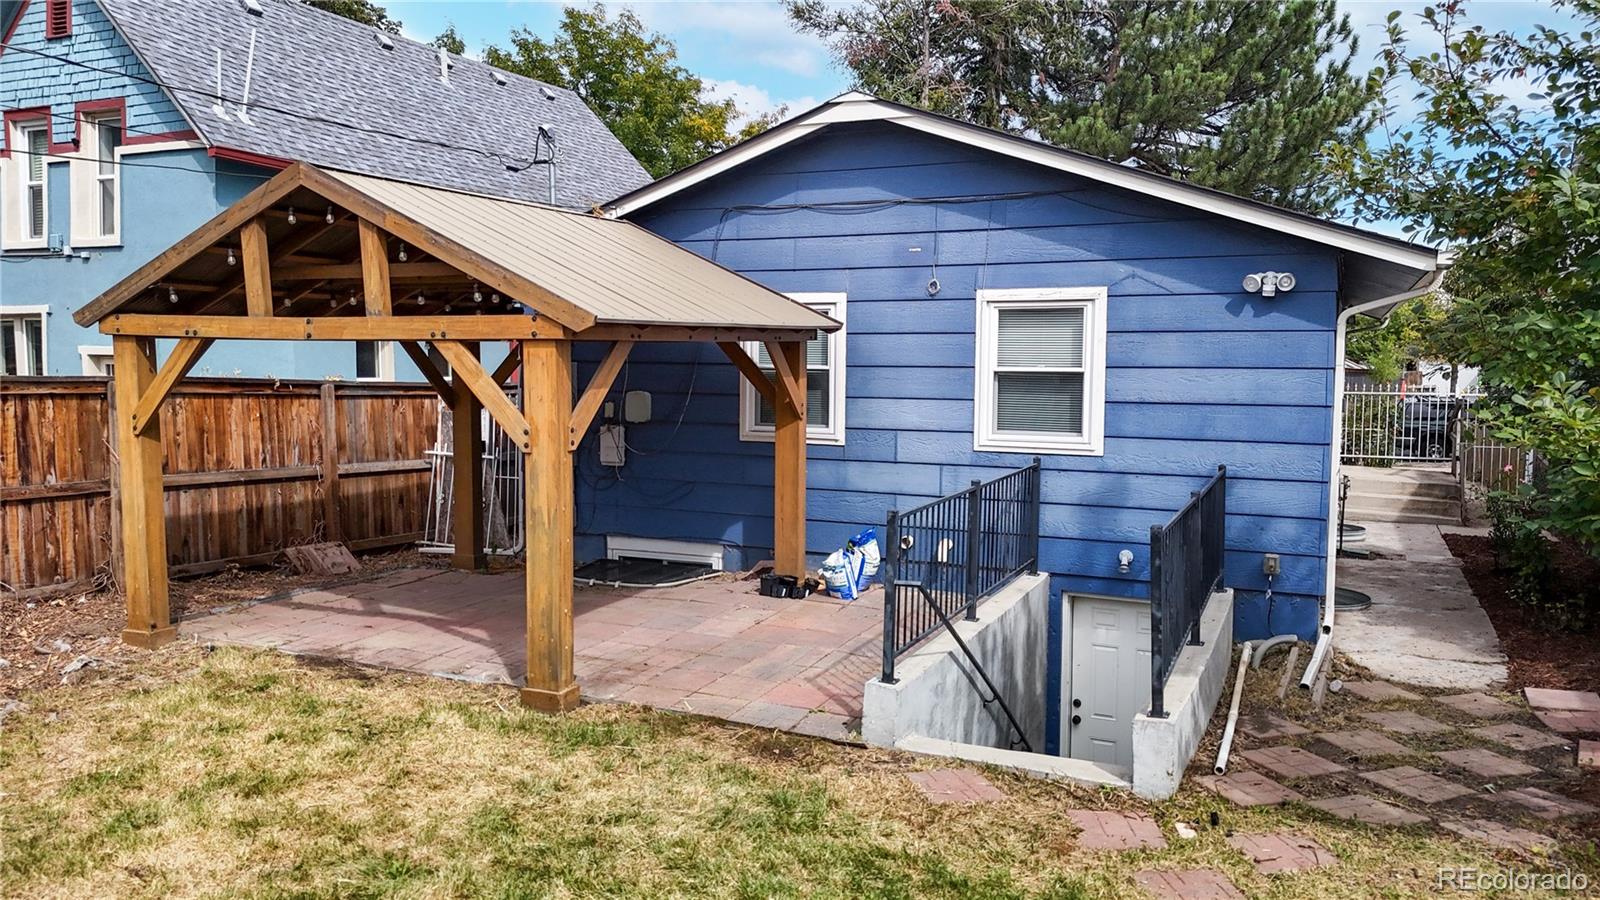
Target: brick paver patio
(1246, 788)
(1589, 754)
(1367, 809)
(1519, 737)
(1282, 851)
(1111, 830)
(1546, 805)
(1497, 834)
(1486, 763)
(714, 648)
(955, 786)
(1417, 784)
(1292, 762)
(1363, 742)
(1405, 722)
(1550, 698)
(1188, 884)
(1478, 703)
(1378, 691)
(1570, 721)
(1268, 727)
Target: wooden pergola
(317, 255)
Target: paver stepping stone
(1111, 830)
(1478, 703)
(1550, 698)
(1282, 851)
(1508, 836)
(1246, 788)
(1266, 727)
(1589, 754)
(1487, 763)
(1546, 805)
(1570, 721)
(955, 786)
(1367, 809)
(1188, 884)
(1292, 762)
(1405, 722)
(1519, 737)
(1364, 742)
(1417, 784)
(1379, 691)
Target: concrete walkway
(1425, 626)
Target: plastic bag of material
(867, 542)
(841, 572)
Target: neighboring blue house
(116, 146)
(1003, 299)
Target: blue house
(129, 123)
(1004, 299)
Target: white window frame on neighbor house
(987, 436)
(832, 432)
(19, 185)
(90, 171)
(95, 360)
(11, 319)
(384, 358)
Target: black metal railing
(1185, 569)
(958, 549)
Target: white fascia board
(716, 165)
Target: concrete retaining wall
(938, 695)
(1162, 748)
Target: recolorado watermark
(1471, 878)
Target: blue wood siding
(1198, 372)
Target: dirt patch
(1537, 657)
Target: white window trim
(985, 437)
(88, 353)
(385, 362)
(43, 312)
(16, 188)
(833, 306)
(83, 171)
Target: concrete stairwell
(1420, 494)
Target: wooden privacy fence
(252, 466)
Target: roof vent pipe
(444, 66)
(544, 136)
(249, 67)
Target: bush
(1528, 558)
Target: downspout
(1325, 637)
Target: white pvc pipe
(1233, 710)
(1325, 637)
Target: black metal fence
(958, 549)
(1185, 569)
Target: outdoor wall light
(1268, 284)
(1124, 561)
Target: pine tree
(1243, 97)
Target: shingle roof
(334, 71)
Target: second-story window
(108, 137)
(36, 140)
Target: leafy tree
(632, 81)
(1238, 96)
(450, 41)
(1516, 188)
(364, 11)
(1410, 333)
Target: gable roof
(1379, 265)
(363, 108)
(575, 269)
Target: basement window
(1041, 371)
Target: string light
(420, 299)
(402, 252)
(494, 298)
(352, 300)
(292, 219)
(232, 260)
(477, 295)
(329, 217)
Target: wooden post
(466, 479)
(144, 527)
(257, 269)
(789, 462)
(547, 404)
(331, 529)
(375, 269)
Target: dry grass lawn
(252, 774)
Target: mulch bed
(1538, 657)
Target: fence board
(244, 468)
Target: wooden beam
(467, 372)
(751, 372)
(351, 271)
(424, 364)
(589, 403)
(789, 466)
(548, 520)
(514, 327)
(791, 379)
(466, 475)
(329, 399)
(178, 364)
(282, 252)
(684, 333)
(257, 268)
(144, 527)
(375, 270)
(510, 364)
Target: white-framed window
(96, 360)
(95, 172)
(108, 206)
(825, 371)
(27, 213)
(23, 350)
(374, 360)
(1041, 371)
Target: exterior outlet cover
(636, 406)
(613, 445)
(1269, 564)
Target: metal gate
(1397, 422)
(502, 488)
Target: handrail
(978, 667)
(1186, 567)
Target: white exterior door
(1110, 678)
